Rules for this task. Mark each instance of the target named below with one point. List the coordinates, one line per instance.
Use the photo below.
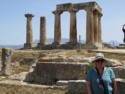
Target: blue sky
(13, 22)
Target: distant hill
(50, 41)
(113, 43)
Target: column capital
(100, 14)
(57, 12)
(89, 9)
(97, 12)
(29, 15)
(73, 10)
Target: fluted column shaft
(96, 28)
(29, 35)
(99, 29)
(42, 30)
(57, 27)
(73, 26)
(89, 27)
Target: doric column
(42, 40)
(57, 27)
(29, 35)
(73, 27)
(99, 29)
(96, 36)
(89, 27)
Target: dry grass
(19, 69)
(16, 89)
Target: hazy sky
(13, 21)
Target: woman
(101, 79)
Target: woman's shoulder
(109, 69)
(91, 70)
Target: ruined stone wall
(49, 73)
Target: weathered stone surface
(77, 87)
(121, 85)
(57, 27)
(42, 40)
(62, 83)
(50, 73)
(0, 65)
(6, 61)
(28, 61)
(15, 64)
(29, 35)
(113, 63)
(20, 77)
(119, 71)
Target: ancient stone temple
(93, 23)
(29, 35)
(42, 41)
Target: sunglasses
(100, 60)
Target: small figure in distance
(123, 29)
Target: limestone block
(121, 85)
(77, 87)
(51, 72)
(113, 63)
(62, 83)
(6, 61)
(119, 71)
(20, 77)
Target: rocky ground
(22, 60)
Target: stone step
(62, 83)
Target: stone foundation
(29, 45)
(49, 73)
(79, 86)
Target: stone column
(89, 27)
(57, 27)
(29, 35)
(42, 40)
(99, 29)
(6, 61)
(96, 33)
(73, 27)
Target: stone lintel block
(64, 7)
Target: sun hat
(99, 56)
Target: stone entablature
(79, 6)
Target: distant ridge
(50, 41)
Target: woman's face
(99, 63)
